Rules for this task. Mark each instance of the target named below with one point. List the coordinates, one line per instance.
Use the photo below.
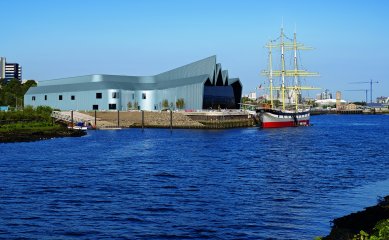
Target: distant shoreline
(360, 112)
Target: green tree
(27, 85)
(180, 103)
(245, 100)
(165, 103)
(12, 92)
(136, 105)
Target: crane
(371, 88)
(360, 90)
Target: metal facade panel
(148, 92)
(225, 77)
(83, 100)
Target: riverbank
(36, 134)
(349, 226)
(166, 119)
(355, 111)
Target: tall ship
(285, 107)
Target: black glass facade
(218, 97)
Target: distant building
(13, 71)
(350, 106)
(330, 102)
(383, 100)
(290, 96)
(2, 68)
(376, 105)
(201, 84)
(308, 99)
(252, 96)
(10, 71)
(339, 103)
(324, 95)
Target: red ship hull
(270, 118)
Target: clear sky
(54, 39)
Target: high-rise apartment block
(10, 71)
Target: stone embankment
(162, 119)
(150, 119)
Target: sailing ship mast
(282, 69)
(271, 78)
(295, 70)
(283, 73)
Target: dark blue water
(218, 184)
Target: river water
(243, 183)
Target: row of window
(60, 97)
(114, 95)
(110, 106)
(143, 96)
(98, 96)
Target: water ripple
(196, 184)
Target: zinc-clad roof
(233, 80)
(129, 85)
(225, 77)
(201, 67)
(196, 72)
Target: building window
(112, 106)
(143, 95)
(133, 96)
(45, 97)
(33, 98)
(95, 107)
(60, 97)
(72, 97)
(115, 95)
(99, 95)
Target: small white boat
(78, 127)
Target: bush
(380, 232)
(45, 110)
(29, 114)
(180, 103)
(165, 103)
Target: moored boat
(273, 118)
(290, 112)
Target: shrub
(165, 103)
(380, 232)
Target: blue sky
(54, 39)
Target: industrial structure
(198, 85)
(9, 71)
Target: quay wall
(167, 119)
(357, 111)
